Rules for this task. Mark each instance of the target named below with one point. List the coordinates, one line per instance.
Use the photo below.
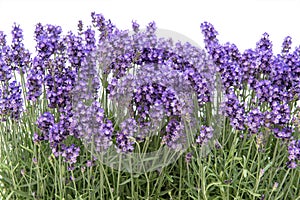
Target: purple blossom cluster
(70, 153)
(75, 50)
(235, 111)
(206, 133)
(62, 67)
(144, 48)
(11, 102)
(5, 71)
(152, 82)
(5, 67)
(35, 80)
(44, 123)
(92, 127)
(294, 153)
(56, 134)
(175, 137)
(59, 67)
(48, 40)
(59, 86)
(125, 137)
(20, 57)
(271, 83)
(156, 94)
(255, 120)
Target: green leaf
(127, 181)
(252, 193)
(23, 194)
(169, 178)
(245, 173)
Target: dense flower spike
(44, 123)
(249, 67)
(294, 153)
(59, 82)
(206, 133)
(135, 26)
(2, 39)
(175, 137)
(265, 54)
(11, 102)
(90, 40)
(48, 40)
(235, 110)
(126, 136)
(254, 120)
(105, 27)
(210, 37)
(286, 45)
(5, 70)
(75, 50)
(19, 55)
(70, 153)
(91, 125)
(35, 80)
(281, 113)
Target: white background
(241, 22)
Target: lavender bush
(105, 113)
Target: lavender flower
(5, 70)
(265, 54)
(48, 40)
(135, 26)
(2, 40)
(75, 50)
(70, 153)
(249, 67)
(19, 55)
(267, 92)
(35, 80)
(286, 45)
(210, 35)
(234, 109)
(254, 120)
(80, 27)
(294, 153)
(45, 123)
(125, 137)
(105, 27)
(283, 133)
(206, 133)
(90, 40)
(60, 83)
(174, 137)
(188, 157)
(281, 113)
(11, 103)
(92, 127)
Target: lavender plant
(106, 113)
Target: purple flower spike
(294, 153)
(70, 153)
(44, 123)
(206, 133)
(11, 102)
(235, 110)
(125, 138)
(19, 55)
(174, 137)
